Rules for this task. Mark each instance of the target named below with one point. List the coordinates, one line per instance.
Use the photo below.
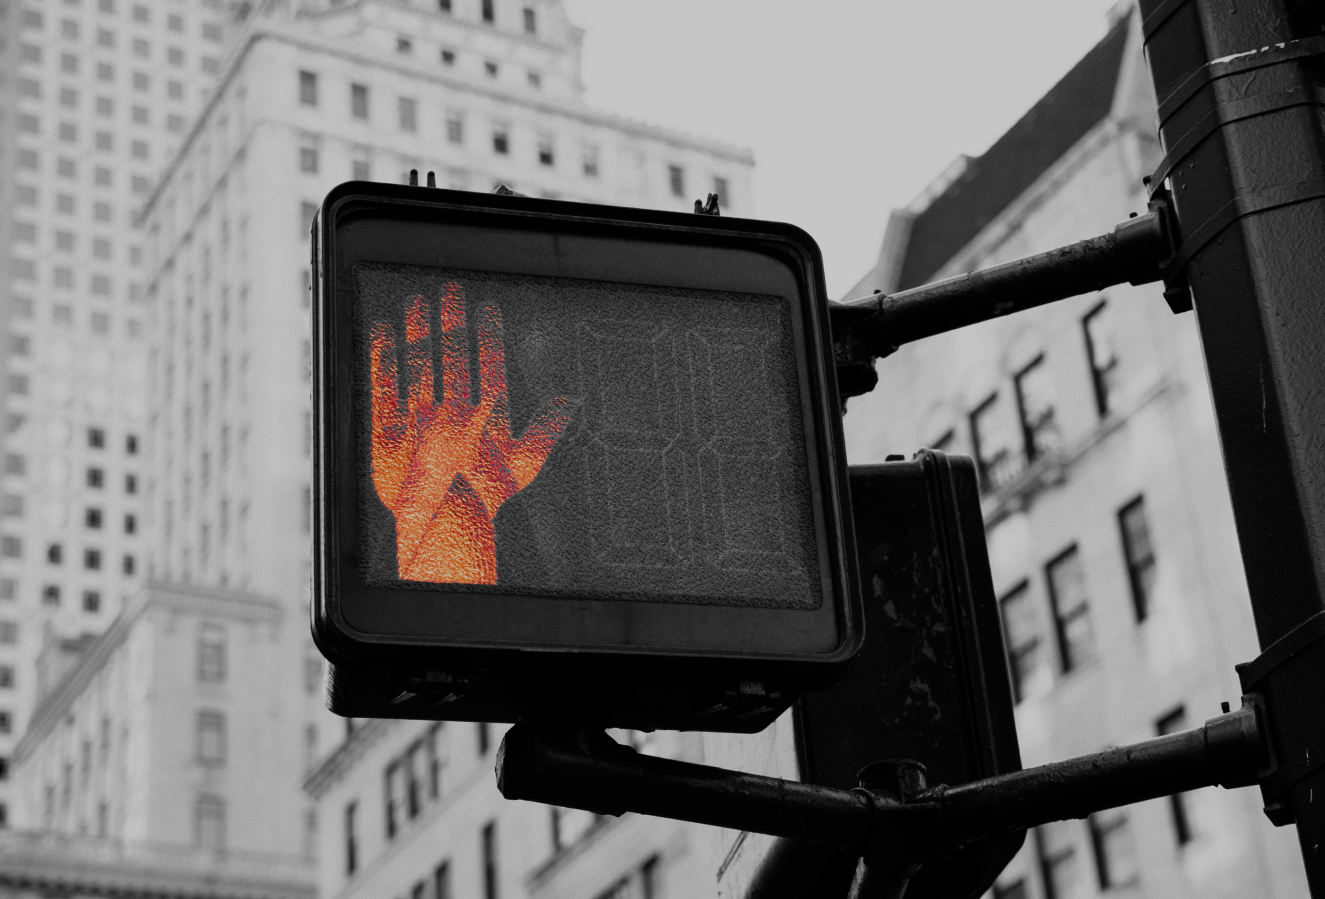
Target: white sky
(851, 106)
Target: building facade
(156, 756)
(315, 94)
(1110, 530)
(95, 98)
(411, 810)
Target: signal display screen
(531, 435)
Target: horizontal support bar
(587, 770)
(869, 328)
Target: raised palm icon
(445, 468)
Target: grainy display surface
(525, 434)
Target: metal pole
(1239, 89)
(583, 769)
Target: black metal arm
(894, 820)
(869, 328)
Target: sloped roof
(991, 182)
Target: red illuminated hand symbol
(445, 468)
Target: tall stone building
(95, 96)
(1109, 525)
(310, 95)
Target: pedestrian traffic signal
(574, 459)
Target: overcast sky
(851, 106)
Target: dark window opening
(1035, 409)
(1139, 554)
(1097, 326)
(1071, 607)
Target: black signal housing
(631, 419)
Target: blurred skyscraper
(95, 96)
(150, 740)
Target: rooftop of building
(975, 190)
(297, 32)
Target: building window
(501, 141)
(589, 161)
(351, 841)
(128, 565)
(96, 478)
(209, 822)
(1183, 831)
(358, 172)
(491, 68)
(676, 178)
(484, 733)
(1139, 554)
(1067, 595)
(6, 677)
(92, 518)
(8, 632)
(489, 840)
(448, 57)
(393, 792)
(50, 595)
(91, 601)
(413, 786)
(1028, 663)
(308, 88)
(530, 21)
(1116, 863)
(308, 159)
(489, 13)
(1035, 408)
(211, 654)
(535, 80)
(722, 188)
(1014, 890)
(409, 114)
(1058, 860)
(441, 882)
(6, 722)
(210, 742)
(545, 151)
(992, 443)
(404, 45)
(436, 760)
(92, 559)
(455, 129)
(54, 554)
(359, 101)
(1097, 324)
(130, 483)
(444, 6)
(131, 440)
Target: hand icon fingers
(418, 359)
(388, 417)
(455, 346)
(386, 387)
(491, 358)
